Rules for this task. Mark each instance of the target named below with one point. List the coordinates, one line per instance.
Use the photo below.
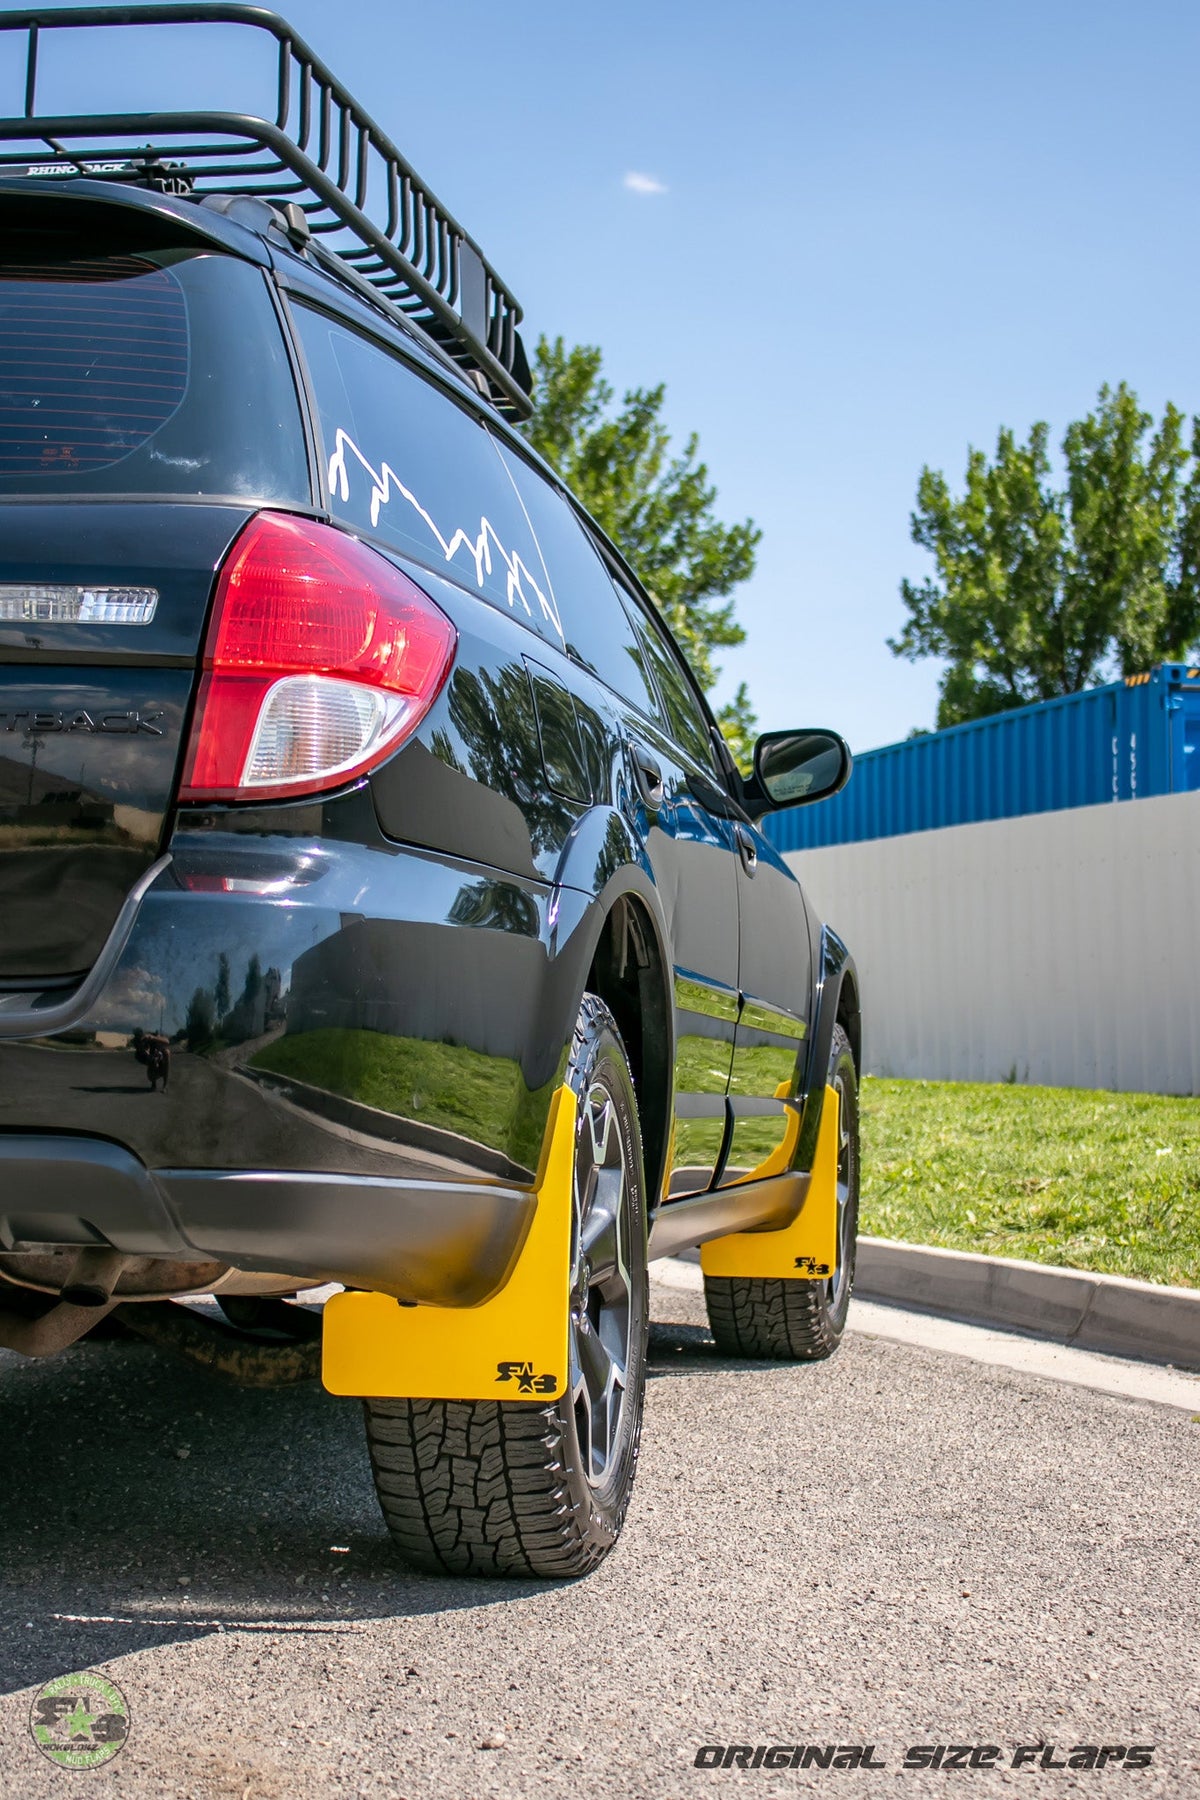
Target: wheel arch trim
(837, 989)
(629, 884)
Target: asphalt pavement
(901, 1547)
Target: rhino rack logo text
(73, 168)
(111, 724)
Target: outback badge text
(115, 724)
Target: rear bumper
(363, 1039)
(451, 1244)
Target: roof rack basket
(321, 153)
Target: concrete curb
(1107, 1313)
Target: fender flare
(604, 862)
(605, 865)
(837, 994)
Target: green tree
(1043, 589)
(655, 503)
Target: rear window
(154, 373)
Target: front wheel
(790, 1320)
(488, 1487)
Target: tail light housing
(321, 658)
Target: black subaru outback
(380, 905)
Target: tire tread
(480, 1487)
(773, 1321)
(781, 1320)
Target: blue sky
(885, 230)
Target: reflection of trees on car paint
(221, 995)
(493, 714)
(200, 1023)
(261, 1004)
(495, 906)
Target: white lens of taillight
(314, 727)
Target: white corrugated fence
(1062, 948)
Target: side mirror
(792, 768)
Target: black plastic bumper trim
(448, 1245)
(444, 1243)
(81, 1190)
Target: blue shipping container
(1127, 741)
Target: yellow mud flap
(511, 1347)
(805, 1250)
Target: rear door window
(686, 716)
(145, 373)
(595, 628)
(407, 465)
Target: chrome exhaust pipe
(94, 1275)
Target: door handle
(747, 849)
(649, 775)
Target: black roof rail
(320, 154)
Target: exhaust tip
(93, 1278)
(86, 1293)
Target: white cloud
(644, 184)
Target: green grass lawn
(1056, 1175)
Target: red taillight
(321, 659)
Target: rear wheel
(799, 1321)
(491, 1487)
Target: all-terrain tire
(492, 1487)
(788, 1320)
